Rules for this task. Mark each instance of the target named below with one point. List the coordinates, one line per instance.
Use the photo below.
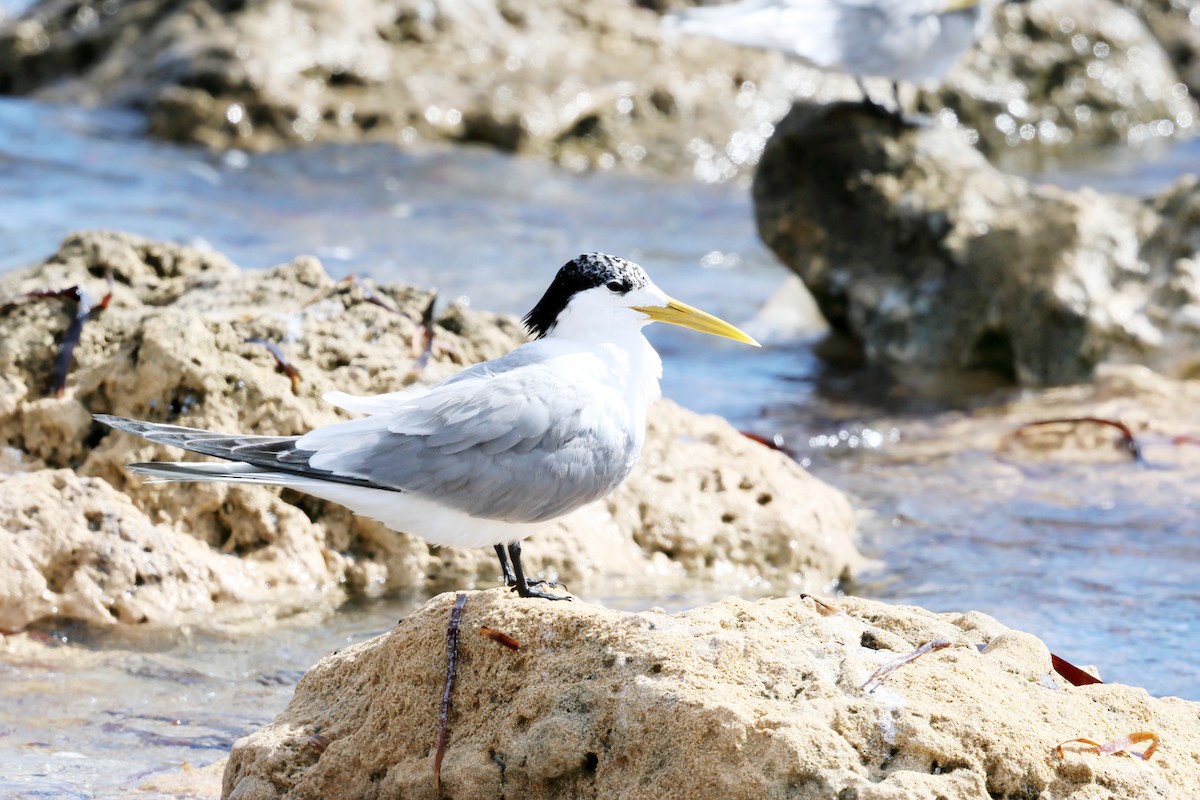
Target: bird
(904, 40)
(496, 451)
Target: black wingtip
(121, 423)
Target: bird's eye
(616, 286)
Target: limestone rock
(587, 84)
(1060, 73)
(936, 261)
(76, 548)
(1176, 25)
(174, 345)
(732, 700)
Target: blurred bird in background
(904, 40)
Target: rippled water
(1097, 560)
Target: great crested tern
(905, 40)
(494, 452)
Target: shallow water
(1097, 560)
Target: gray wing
(521, 445)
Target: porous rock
(1176, 25)
(1067, 73)
(587, 84)
(914, 244)
(86, 539)
(734, 700)
(582, 83)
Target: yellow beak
(677, 313)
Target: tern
(493, 453)
(905, 40)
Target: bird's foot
(531, 590)
(879, 109)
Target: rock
(90, 541)
(1176, 25)
(732, 700)
(586, 84)
(934, 260)
(1058, 73)
(78, 549)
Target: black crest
(578, 275)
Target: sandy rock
(76, 548)
(172, 346)
(732, 700)
(1066, 73)
(936, 261)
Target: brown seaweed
(460, 601)
(501, 638)
(85, 307)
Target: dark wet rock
(1068, 72)
(936, 261)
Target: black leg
(524, 587)
(509, 579)
(872, 104)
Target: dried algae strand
(460, 601)
(823, 608)
(501, 638)
(281, 361)
(881, 674)
(423, 350)
(84, 308)
(360, 292)
(1127, 442)
(1119, 746)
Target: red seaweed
(775, 442)
(1071, 673)
(460, 600)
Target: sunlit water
(1097, 560)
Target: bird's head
(594, 293)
